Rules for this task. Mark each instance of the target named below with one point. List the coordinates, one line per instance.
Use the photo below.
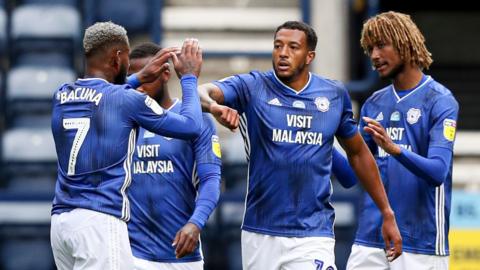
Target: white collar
(291, 89)
(429, 78)
(91, 79)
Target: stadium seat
(38, 26)
(137, 16)
(28, 145)
(57, 59)
(3, 29)
(29, 89)
(24, 247)
(28, 160)
(31, 82)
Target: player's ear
(310, 57)
(166, 75)
(114, 59)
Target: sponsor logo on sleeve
(449, 128)
(216, 149)
(152, 104)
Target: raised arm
(150, 115)
(212, 100)
(365, 168)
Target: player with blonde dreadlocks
(410, 128)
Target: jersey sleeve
(348, 126)
(147, 113)
(443, 120)
(236, 90)
(207, 145)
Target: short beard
(395, 71)
(288, 79)
(121, 77)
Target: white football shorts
(86, 239)
(266, 252)
(369, 258)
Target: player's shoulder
(320, 82)
(379, 95)
(249, 76)
(438, 91)
(324, 81)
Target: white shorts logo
(152, 104)
(413, 115)
(322, 103)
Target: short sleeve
(348, 126)
(207, 145)
(443, 115)
(237, 90)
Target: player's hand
(157, 65)
(391, 234)
(186, 240)
(189, 61)
(226, 116)
(380, 136)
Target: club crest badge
(322, 103)
(413, 115)
(395, 116)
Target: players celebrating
(94, 125)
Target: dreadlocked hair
(399, 30)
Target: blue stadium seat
(137, 16)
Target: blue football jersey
(288, 138)
(164, 189)
(94, 124)
(424, 118)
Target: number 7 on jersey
(82, 125)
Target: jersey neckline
(291, 89)
(398, 99)
(91, 79)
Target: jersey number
(82, 125)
